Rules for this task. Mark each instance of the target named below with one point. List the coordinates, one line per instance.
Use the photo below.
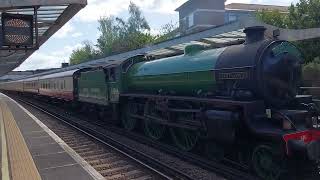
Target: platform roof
(52, 15)
(216, 37)
(60, 74)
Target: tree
(82, 54)
(167, 31)
(118, 35)
(136, 22)
(305, 14)
(275, 18)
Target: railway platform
(31, 151)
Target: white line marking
(86, 166)
(4, 150)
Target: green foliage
(167, 31)
(119, 35)
(311, 70)
(305, 14)
(275, 18)
(83, 54)
(136, 21)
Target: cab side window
(112, 75)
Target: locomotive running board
(213, 101)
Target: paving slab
(35, 148)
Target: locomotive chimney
(254, 34)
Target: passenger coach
(58, 85)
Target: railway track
(89, 129)
(110, 158)
(109, 163)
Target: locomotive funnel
(254, 34)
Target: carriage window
(112, 75)
(64, 84)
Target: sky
(84, 26)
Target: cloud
(162, 6)
(99, 8)
(237, 1)
(40, 61)
(53, 59)
(64, 31)
(155, 31)
(77, 34)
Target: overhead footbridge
(27, 24)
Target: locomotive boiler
(258, 69)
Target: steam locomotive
(239, 101)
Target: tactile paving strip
(22, 166)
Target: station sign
(17, 29)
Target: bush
(311, 77)
(311, 71)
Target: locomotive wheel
(152, 129)
(129, 122)
(267, 163)
(184, 139)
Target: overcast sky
(84, 26)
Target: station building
(195, 15)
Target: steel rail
(115, 145)
(217, 167)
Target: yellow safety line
(4, 156)
(22, 166)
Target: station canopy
(216, 37)
(27, 24)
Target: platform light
(17, 29)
